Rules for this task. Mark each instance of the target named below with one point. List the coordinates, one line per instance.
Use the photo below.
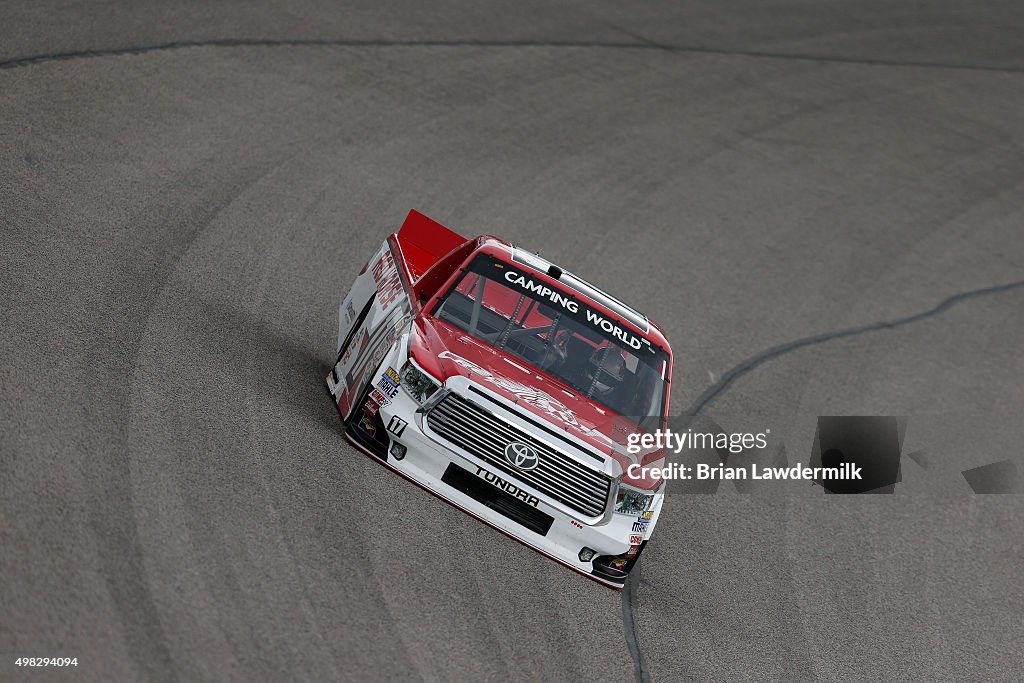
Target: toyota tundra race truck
(509, 388)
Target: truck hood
(445, 351)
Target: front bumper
(509, 506)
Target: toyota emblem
(522, 456)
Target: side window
(438, 273)
(467, 286)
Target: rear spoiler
(424, 242)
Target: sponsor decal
(521, 456)
(380, 399)
(387, 385)
(618, 562)
(633, 550)
(350, 312)
(590, 316)
(575, 524)
(647, 515)
(534, 397)
(542, 290)
(397, 425)
(368, 426)
(636, 540)
(385, 274)
(371, 407)
(640, 525)
(506, 486)
(614, 330)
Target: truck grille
(484, 435)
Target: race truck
(508, 387)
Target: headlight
(418, 383)
(632, 502)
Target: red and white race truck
(508, 387)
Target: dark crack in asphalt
(712, 393)
(629, 626)
(639, 44)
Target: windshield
(596, 356)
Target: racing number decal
(397, 425)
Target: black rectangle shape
(870, 442)
(479, 490)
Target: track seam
(30, 60)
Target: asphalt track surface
(187, 191)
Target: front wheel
(366, 426)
